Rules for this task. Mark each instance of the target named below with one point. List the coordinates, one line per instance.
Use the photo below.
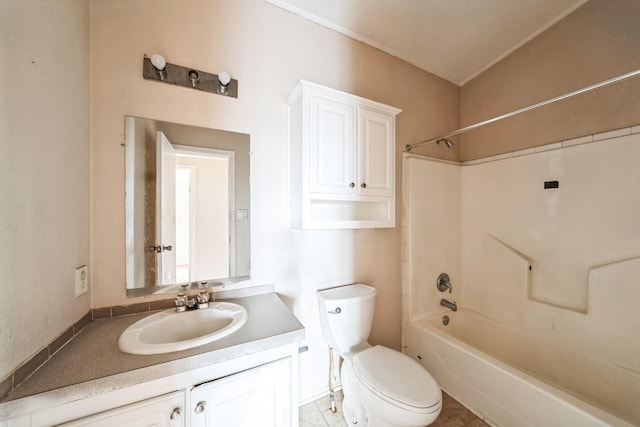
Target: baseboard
(319, 395)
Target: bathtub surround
(551, 269)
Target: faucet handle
(444, 283)
(203, 299)
(181, 302)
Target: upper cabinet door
(376, 145)
(332, 146)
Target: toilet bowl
(396, 389)
(381, 386)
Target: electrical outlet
(82, 280)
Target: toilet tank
(346, 314)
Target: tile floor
(318, 414)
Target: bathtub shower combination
(543, 279)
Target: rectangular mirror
(187, 206)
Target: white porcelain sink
(169, 331)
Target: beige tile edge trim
(23, 371)
(616, 133)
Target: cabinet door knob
(200, 407)
(353, 184)
(175, 414)
(363, 185)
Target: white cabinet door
(376, 145)
(162, 411)
(259, 397)
(332, 146)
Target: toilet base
(356, 400)
(350, 415)
(352, 408)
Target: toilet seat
(397, 379)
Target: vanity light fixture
(160, 65)
(157, 68)
(224, 79)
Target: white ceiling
(453, 39)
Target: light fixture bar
(599, 85)
(190, 77)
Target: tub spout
(450, 305)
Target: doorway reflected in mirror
(187, 205)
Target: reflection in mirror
(187, 206)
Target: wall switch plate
(82, 280)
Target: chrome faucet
(185, 302)
(450, 305)
(444, 283)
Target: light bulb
(224, 78)
(158, 61)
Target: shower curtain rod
(604, 83)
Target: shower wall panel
(431, 232)
(562, 262)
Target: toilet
(381, 386)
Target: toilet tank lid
(397, 376)
(347, 294)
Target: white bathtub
(474, 358)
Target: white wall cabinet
(341, 160)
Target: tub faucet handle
(444, 283)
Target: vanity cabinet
(259, 397)
(255, 390)
(163, 411)
(341, 160)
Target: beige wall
(267, 49)
(596, 42)
(44, 159)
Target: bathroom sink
(168, 331)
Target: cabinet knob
(200, 407)
(175, 414)
(353, 184)
(363, 185)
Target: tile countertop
(91, 363)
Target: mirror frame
(193, 136)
